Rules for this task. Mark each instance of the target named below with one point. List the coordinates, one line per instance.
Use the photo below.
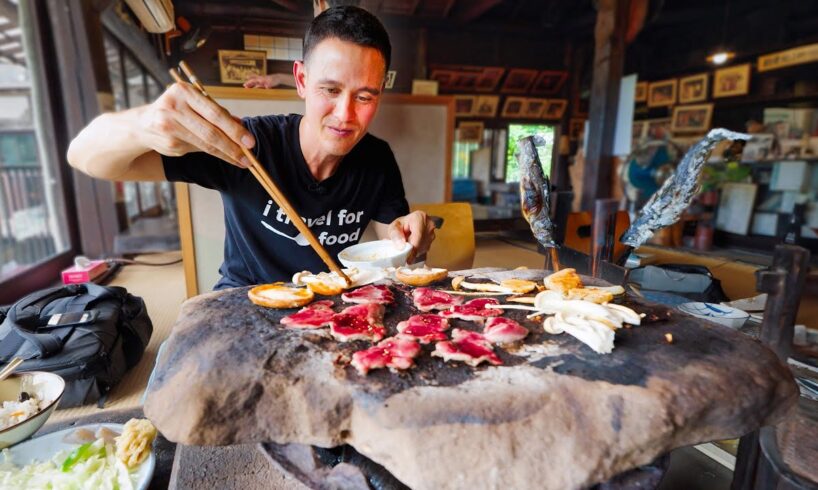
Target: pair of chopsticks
(264, 179)
(10, 367)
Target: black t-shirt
(261, 245)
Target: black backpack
(88, 334)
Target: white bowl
(47, 386)
(377, 254)
(725, 315)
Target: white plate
(727, 316)
(43, 448)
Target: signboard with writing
(789, 57)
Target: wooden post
(609, 55)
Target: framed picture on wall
(464, 105)
(238, 66)
(732, 81)
(691, 118)
(489, 78)
(487, 105)
(549, 82)
(513, 107)
(518, 81)
(554, 109)
(656, 129)
(662, 93)
(575, 128)
(470, 132)
(641, 94)
(445, 78)
(533, 108)
(693, 88)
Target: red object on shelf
(76, 275)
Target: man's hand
(269, 81)
(415, 228)
(183, 120)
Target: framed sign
(691, 118)
(464, 105)
(487, 105)
(549, 82)
(693, 88)
(641, 94)
(732, 81)
(513, 107)
(470, 132)
(533, 108)
(662, 93)
(518, 81)
(789, 57)
(554, 109)
(238, 66)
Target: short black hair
(351, 24)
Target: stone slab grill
(555, 415)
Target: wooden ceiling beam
(474, 9)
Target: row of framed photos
(486, 79)
(727, 82)
(513, 107)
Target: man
(286, 79)
(334, 173)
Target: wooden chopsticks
(272, 189)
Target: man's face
(341, 85)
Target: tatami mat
(163, 289)
(495, 251)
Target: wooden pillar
(609, 55)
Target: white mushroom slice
(595, 335)
(552, 300)
(627, 314)
(528, 300)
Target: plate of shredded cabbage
(78, 457)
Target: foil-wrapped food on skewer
(535, 190)
(668, 203)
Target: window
(460, 162)
(517, 131)
(33, 224)
(277, 48)
(132, 86)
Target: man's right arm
(128, 145)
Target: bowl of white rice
(26, 402)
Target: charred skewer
(535, 190)
(668, 203)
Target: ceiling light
(721, 57)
